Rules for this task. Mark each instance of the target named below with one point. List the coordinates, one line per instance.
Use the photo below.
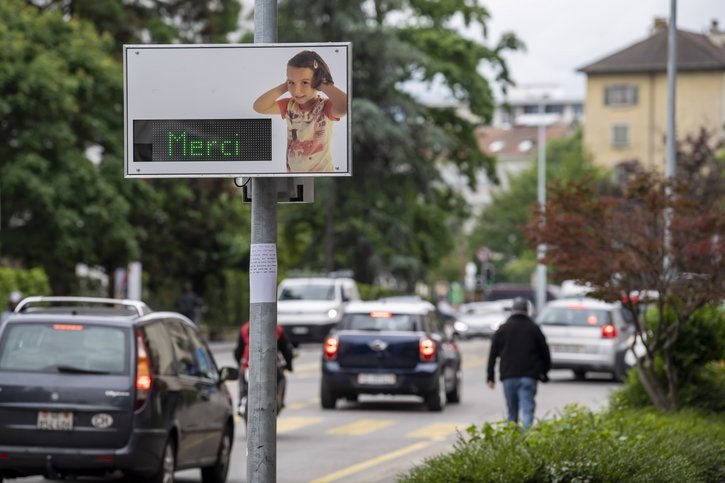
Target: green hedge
(32, 281)
(582, 446)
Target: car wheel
(168, 465)
(436, 399)
(580, 374)
(217, 473)
(327, 398)
(455, 395)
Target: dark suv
(92, 386)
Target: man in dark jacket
(524, 359)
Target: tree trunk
(656, 393)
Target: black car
(391, 347)
(92, 386)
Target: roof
(586, 302)
(695, 52)
(517, 140)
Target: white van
(308, 307)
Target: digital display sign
(202, 140)
(226, 110)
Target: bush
(581, 446)
(699, 356)
(32, 281)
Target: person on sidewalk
(524, 360)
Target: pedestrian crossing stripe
(435, 430)
(289, 424)
(361, 426)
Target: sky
(564, 35)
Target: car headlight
(459, 326)
(332, 313)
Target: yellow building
(626, 100)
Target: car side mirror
(228, 373)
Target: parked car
(308, 307)
(586, 334)
(391, 348)
(482, 319)
(92, 386)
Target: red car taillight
(331, 347)
(427, 349)
(609, 331)
(143, 372)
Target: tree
(395, 218)
(500, 224)
(153, 21)
(617, 242)
(59, 96)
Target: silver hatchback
(586, 334)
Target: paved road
(379, 437)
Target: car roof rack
(135, 305)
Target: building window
(621, 95)
(620, 136)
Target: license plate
(567, 348)
(376, 379)
(55, 421)
(300, 330)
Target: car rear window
(381, 321)
(574, 316)
(314, 291)
(64, 347)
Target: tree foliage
(500, 225)
(395, 218)
(623, 244)
(59, 96)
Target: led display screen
(202, 140)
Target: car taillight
(143, 372)
(609, 331)
(427, 349)
(331, 347)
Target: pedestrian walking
(524, 359)
(188, 304)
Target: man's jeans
(520, 393)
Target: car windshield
(375, 322)
(64, 347)
(312, 291)
(574, 316)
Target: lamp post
(541, 249)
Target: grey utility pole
(261, 413)
(540, 252)
(671, 135)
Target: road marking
(351, 470)
(361, 426)
(478, 361)
(436, 431)
(289, 424)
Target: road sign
(189, 112)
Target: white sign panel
(232, 110)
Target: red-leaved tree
(621, 242)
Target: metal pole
(671, 136)
(262, 409)
(671, 91)
(540, 267)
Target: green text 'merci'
(181, 144)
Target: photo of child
(308, 114)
